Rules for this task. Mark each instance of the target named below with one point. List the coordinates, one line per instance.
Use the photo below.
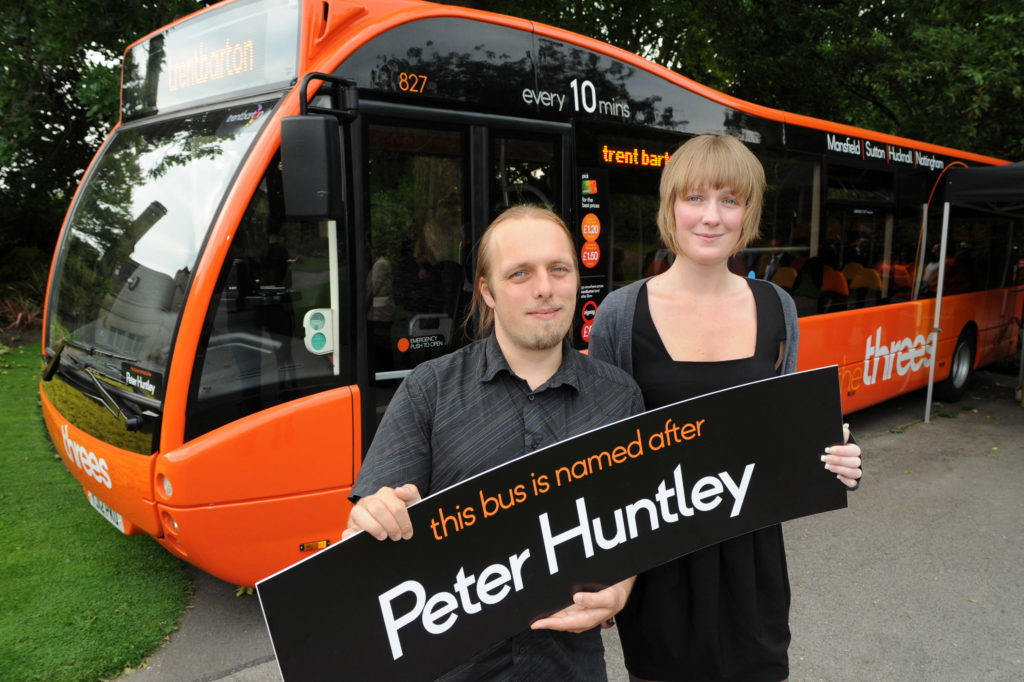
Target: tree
(667, 32)
(949, 72)
(59, 96)
(961, 74)
(937, 72)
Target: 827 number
(411, 82)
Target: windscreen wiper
(54, 362)
(120, 409)
(95, 350)
(125, 410)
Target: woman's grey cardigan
(611, 337)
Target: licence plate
(106, 512)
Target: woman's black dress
(722, 612)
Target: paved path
(921, 578)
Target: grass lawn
(78, 600)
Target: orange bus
(281, 226)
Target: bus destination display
(251, 46)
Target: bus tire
(961, 364)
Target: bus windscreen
(134, 236)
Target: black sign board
(499, 550)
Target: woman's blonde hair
(478, 308)
(715, 162)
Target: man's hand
(383, 514)
(588, 609)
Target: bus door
(433, 182)
(261, 463)
(859, 236)
(858, 240)
(254, 351)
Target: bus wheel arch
(961, 366)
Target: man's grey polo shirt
(464, 413)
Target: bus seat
(444, 288)
(785, 277)
(898, 279)
(866, 288)
(851, 269)
(431, 324)
(834, 291)
(832, 280)
(901, 276)
(806, 289)
(867, 278)
(657, 262)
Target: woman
(721, 613)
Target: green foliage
(24, 270)
(949, 73)
(977, 98)
(59, 96)
(670, 33)
(78, 600)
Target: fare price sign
(512, 545)
(592, 241)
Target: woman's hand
(844, 460)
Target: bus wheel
(960, 366)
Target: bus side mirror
(311, 170)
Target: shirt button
(531, 397)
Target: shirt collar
(493, 362)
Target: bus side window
(252, 354)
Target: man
(520, 388)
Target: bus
(282, 224)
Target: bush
(18, 311)
(24, 271)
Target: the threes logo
(904, 355)
(84, 459)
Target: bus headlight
(169, 522)
(165, 483)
